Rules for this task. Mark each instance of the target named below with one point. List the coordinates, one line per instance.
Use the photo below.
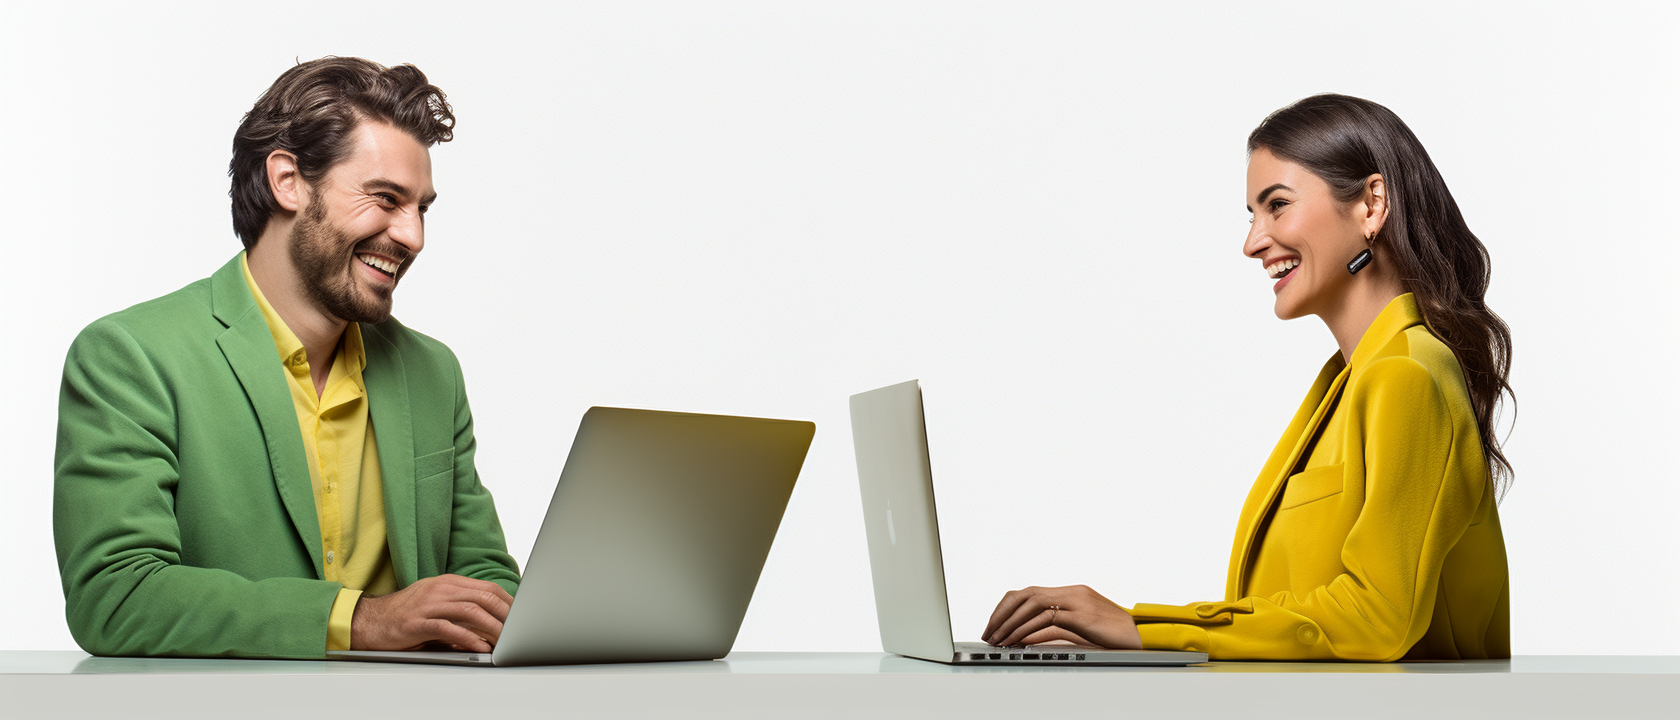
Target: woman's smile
(1282, 269)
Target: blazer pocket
(431, 464)
(1311, 484)
(434, 504)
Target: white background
(1035, 208)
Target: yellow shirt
(343, 467)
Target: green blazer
(183, 511)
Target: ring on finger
(1054, 611)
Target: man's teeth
(1277, 269)
(385, 266)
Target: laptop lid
(655, 537)
(889, 437)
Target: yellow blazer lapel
(1285, 457)
(249, 349)
(387, 389)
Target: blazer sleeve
(1424, 478)
(477, 547)
(118, 542)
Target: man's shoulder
(417, 350)
(165, 319)
(405, 338)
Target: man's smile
(378, 263)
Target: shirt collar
(287, 343)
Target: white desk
(853, 685)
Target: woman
(1372, 531)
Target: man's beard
(324, 254)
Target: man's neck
(281, 285)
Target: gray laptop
(889, 435)
(653, 543)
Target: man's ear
(285, 182)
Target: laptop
(889, 435)
(653, 543)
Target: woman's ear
(284, 181)
(1373, 207)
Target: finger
(1036, 603)
(481, 585)
(485, 594)
(1057, 632)
(1032, 601)
(1005, 608)
(472, 617)
(1010, 625)
(1029, 625)
(442, 631)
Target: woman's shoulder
(1414, 362)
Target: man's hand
(451, 609)
(1075, 614)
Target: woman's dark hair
(1345, 140)
(311, 111)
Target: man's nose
(409, 230)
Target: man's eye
(424, 209)
(386, 198)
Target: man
(265, 463)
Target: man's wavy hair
(311, 112)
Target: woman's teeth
(1279, 268)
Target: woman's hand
(1075, 613)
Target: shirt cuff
(338, 623)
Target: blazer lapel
(1400, 313)
(1285, 458)
(387, 389)
(249, 349)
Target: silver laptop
(653, 543)
(889, 435)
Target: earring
(1363, 258)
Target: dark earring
(1359, 262)
(1362, 259)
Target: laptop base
(968, 653)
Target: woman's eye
(1276, 205)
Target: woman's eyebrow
(1267, 192)
(1261, 198)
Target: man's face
(364, 224)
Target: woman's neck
(1349, 319)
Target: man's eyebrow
(398, 188)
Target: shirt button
(329, 557)
(1307, 634)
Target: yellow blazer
(1372, 531)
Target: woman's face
(1301, 234)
